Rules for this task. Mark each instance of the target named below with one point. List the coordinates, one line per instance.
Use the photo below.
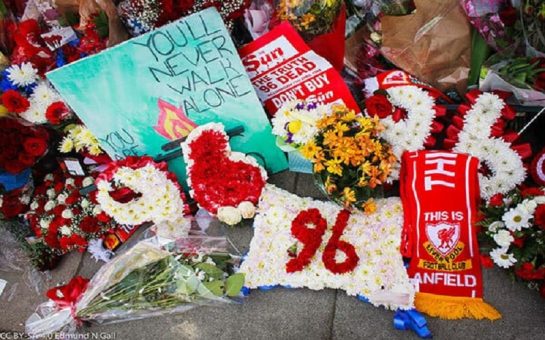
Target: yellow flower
(349, 196)
(330, 138)
(95, 150)
(334, 166)
(319, 167)
(307, 19)
(330, 187)
(349, 116)
(310, 149)
(3, 111)
(341, 128)
(295, 126)
(67, 145)
(369, 206)
(345, 150)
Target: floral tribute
(309, 17)
(79, 138)
(480, 130)
(295, 123)
(350, 160)
(301, 242)
(62, 218)
(137, 190)
(225, 183)
(513, 234)
(21, 146)
(15, 202)
(408, 114)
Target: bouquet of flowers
(350, 160)
(294, 123)
(20, 146)
(309, 17)
(80, 139)
(62, 218)
(141, 16)
(145, 281)
(29, 97)
(513, 234)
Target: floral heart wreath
(225, 183)
(137, 190)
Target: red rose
(14, 101)
(14, 167)
(531, 192)
(496, 200)
(528, 272)
(73, 198)
(539, 216)
(89, 225)
(59, 186)
(26, 159)
(508, 16)
(35, 146)
(56, 112)
(378, 105)
(57, 211)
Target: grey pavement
(285, 313)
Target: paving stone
(276, 314)
(306, 187)
(284, 180)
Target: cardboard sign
(157, 87)
(283, 68)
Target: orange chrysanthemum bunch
(350, 160)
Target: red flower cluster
(14, 101)
(15, 202)
(216, 179)
(310, 237)
(527, 271)
(62, 218)
(56, 113)
(334, 244)
(378, 105)
(21, 145)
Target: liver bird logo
(443, 236)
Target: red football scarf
(440, 194)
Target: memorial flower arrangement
(145, 281)
(301, 242)
(227, 184)
(21, 146)
(294, 123)
(350, 159)
(137, 190)
(513, 234)
(408, 114)
(62, 218)
(309, 17)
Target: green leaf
(479, 52)
(101, 22)
(234, 284)
(69, 19)
(216, 287)
(211, 270)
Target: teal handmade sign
(154, 88)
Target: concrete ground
(284, 313)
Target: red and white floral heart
(225, 183)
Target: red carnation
(56, 112)
(89, 225)
(539, 216)
(103, 217)
(59, 186)
(528, 272)
(496, 200)
(378, 105)
(73, 198)
(35, 146)
(14, 101)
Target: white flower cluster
(295, 122)
(40, 99)
(505, 164)
(408, 134)
(227, 214)
(160, 200)
(22, 75)
(379, 275)
(515, 219)
(78, 137)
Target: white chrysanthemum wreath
(157, 195)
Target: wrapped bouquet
(147, 280)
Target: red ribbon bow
(68, 295)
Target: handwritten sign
(157, 87)
(283, 68)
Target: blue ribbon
(414, 321)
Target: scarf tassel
(453, 307)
